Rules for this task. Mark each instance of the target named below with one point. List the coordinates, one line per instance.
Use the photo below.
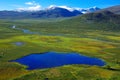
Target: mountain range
(56, 12)
(51, 12)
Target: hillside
(103, 20)
(113, 9)
(14, 15)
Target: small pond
(19, 43)
(54, 59)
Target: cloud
(65, 7)
(52, 6)
(68, 8)
(31, 6)
(33, 3)
(29, 3)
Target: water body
(19, 43)
(13, 26)
(26, 31)
(54, 59)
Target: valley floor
(95, 43)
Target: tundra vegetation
(85, 35)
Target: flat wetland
(64, 35)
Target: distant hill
(103, 20)
(113, 9)
(102, 16)
(14, 15)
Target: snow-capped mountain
(81, 10)
(50, 12)
(64, 7)
(57, 11)
(92, 9)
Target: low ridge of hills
(102, 21)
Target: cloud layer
(31, 6)
(65, 7)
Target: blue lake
(54, 59)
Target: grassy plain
(70, 35)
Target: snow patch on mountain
(36, 7)
(82, 10)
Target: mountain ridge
(57, 12)
(113, 9)
(52, 12)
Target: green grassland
(87, 37)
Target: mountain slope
(104, 21)
(102, 16)
(114, 9)
(14, 15)
(56, 12)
